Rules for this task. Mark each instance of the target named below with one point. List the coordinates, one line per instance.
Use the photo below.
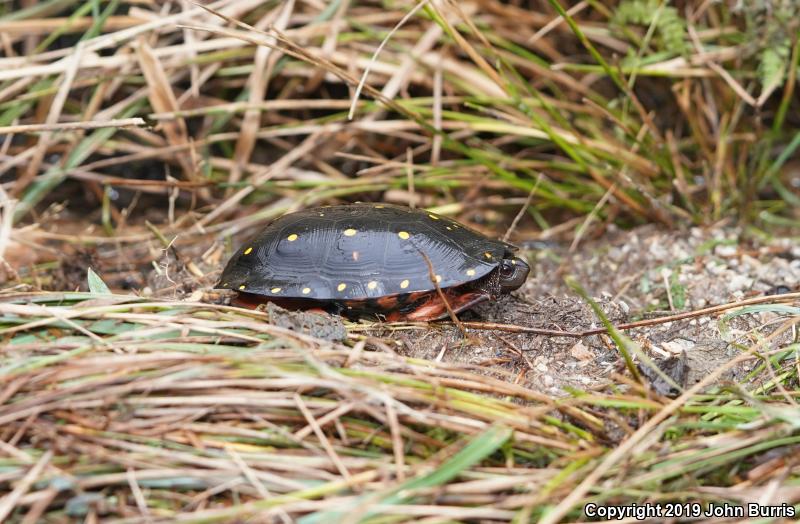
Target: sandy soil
(633, 275)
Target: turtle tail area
(431, 307)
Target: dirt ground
(633, 275)
(638, 274)
(643, 273)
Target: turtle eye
(506, 269)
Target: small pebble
(581, 352)
(739, 282)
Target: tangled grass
(139, 132)
(119, 408)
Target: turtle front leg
(432, 307)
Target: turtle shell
(359, 252)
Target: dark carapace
(359, 259)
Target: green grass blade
(478, 449)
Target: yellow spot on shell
(487, 255)
(242, 286)
(404, 284)
(379, 206)
(306, 290)
(248, 250)
(438, 278)
(292, 237)
(372, 285)
(433, 216)
(513, 261)
(349, 232)
(276, 290)
(404, 235)
(341, 287)
(470, 272)
(322, 214)
(449, 228)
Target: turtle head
(513, 272)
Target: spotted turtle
(360, 259)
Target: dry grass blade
(284, 162)
(163, 100)
(263, 66)
(53, 115)
(523, 209)
(8, 503)
(16, 28)
(68, 126)
(365, 75)
(326, 444)
(6, 222)
(465, 45)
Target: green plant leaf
(96, 284)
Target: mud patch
(319, 325)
